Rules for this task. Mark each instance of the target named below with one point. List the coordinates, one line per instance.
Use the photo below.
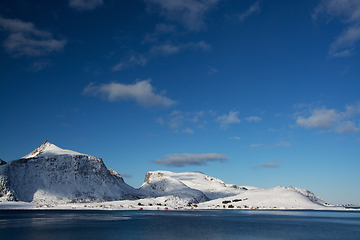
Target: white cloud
(349, 13)
(331, 119)
(299, 105)
(321, 118)
(164, 28)
(25, 40)
(225, 120)
(344, 45)
(83, 5)
(142, 92)
(180, 160)
(212, 70)
(160, 29)
(257, 145)
(267, 165)
(176, 122)
(170, 49)
(125, 175)
(132, 60)
(177, 119)
(188, 130)
(165, 49)
(254, 119)
(347, 127)
(235, 138)
(190, 13)
(40, 65)
(283, 144)
(161, 121)
(255, 8)
(175, 112)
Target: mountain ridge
(51, 175)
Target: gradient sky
(257, 93)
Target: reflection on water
(209, 224)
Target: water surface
(207, 224)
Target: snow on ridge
(212, 187)
(158, 184)
(51, 175)
(48, 149)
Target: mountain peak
(48, 149)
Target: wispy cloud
(40, 65)
(331, 119)
(161, 121)
(181, 160)
(177, 119)
(255, 8)
(235, 138)
(254, 119)
(25, 40)
(348, 11)
(190, 13)
(164, 49)
(347, 127)
(212, 70)
(160, 30)
(165, 28)
(85, 5)
(267, 165)
(188, 130)
(131, 60)
(125, 175)
(283, 144)
(142, 92)
(225, 120)
(257, 145)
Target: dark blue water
(209, 224)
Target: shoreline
(115, 206)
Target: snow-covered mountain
(212, 187)
(221, 194)
(272, 198)
(50, 174)
(158, 184)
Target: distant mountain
(187, 185)
(270, 198)
(50, 174)
(158, 184)
(212, 187)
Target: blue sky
(259, 93)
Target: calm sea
(209, 224)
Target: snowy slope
(47, 149)
(278, 197)
(212, 187)
(50, 175)
(53, 175)
(158, 184)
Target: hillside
(53, 176)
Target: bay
(197, 224)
